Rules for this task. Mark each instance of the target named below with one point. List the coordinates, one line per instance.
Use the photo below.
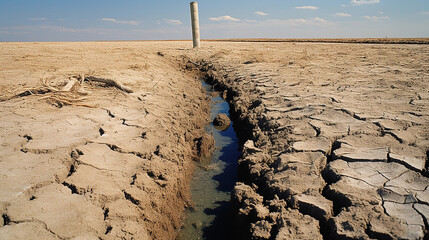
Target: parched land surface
(112, 166)
(334, 40)
(336, 137)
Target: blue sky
(83, 20)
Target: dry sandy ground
(338, 139)
(334, 40)
(118, 170)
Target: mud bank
(118, 167)
(335, 139)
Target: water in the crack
(213, 181)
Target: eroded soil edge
(119, 170)
(317, 165)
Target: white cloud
(250, 21)
(318, 20)
(376, 18)
(342, 15)
(299, 21)
(308, 7)
(261, 13)
(64, 29)
(364, 2)
(118, 21)
(173, 21)
(224, 18)
(37, 19)
(425, 13)
(52, 28)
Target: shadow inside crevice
(213, 181)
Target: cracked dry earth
(120, 170)
(335, 138)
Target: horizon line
(397, 40)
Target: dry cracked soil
(119, 169)
(334, 138)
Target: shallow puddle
(212, 183)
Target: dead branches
(72, 84)
(111, 82)
(69, 92)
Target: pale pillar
(195, 25)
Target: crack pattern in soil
(117, 170)
(334, 141)
(365, 182)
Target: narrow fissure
(71, 187)
(316, 129)
(74, 156)
(101, 131)
(376, 235)
(106, 213)
(36, 151)
(28, 137)
(407, 165)
(325, 229)
(72, 170)
(131, 199)
(134, 177)
(213, 181)
(108, 229)
(110, 113)
(425, 221)
(325, 224)
(337, 201)
(115, 148)
(6, 219)
(426, 170)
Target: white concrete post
(195, 25)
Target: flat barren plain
(334, 137)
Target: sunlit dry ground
(338, 137)
(119, 166)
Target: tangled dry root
(69, 92)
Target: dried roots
(69, 92)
